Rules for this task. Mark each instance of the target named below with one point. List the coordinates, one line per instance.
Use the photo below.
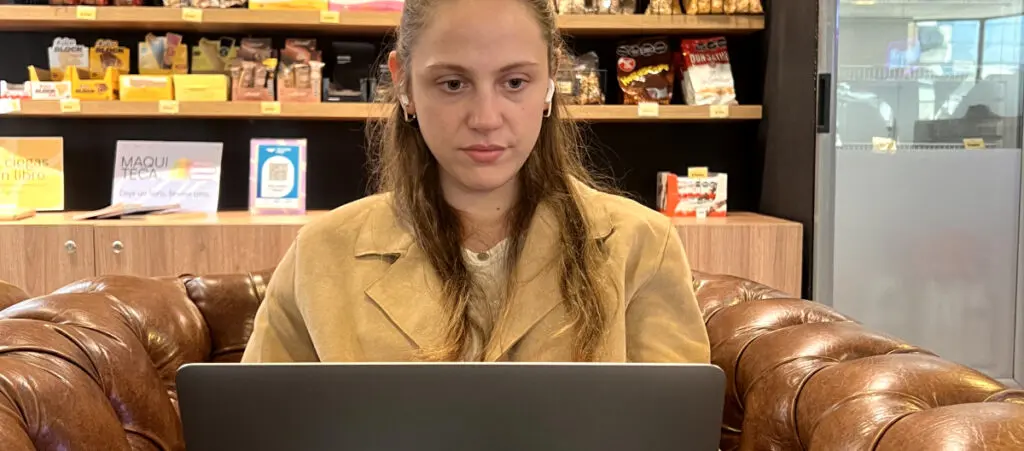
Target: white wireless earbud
(551, 91)
(403, 99)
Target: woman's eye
(516, 84)
(452, 85)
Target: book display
(277, 91)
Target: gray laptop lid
(451, 407)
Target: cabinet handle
(70, 246)
(117, 246)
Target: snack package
(596, 6)
(645, 71)
(163, 55)
(664, 7)
(210, 4)
(687, 197)
(706, 72)
(366, 5)
(581, 82)
(66, 53)
(299, 72)
(723, 6)
(253, 72)
(108, 53)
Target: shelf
(348, 111)
(54, 18)
(235, 218)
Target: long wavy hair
(403, 165)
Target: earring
(404, 100)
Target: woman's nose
(485, 113)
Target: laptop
(451, 406)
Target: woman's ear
(398, 80)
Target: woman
(489, 240)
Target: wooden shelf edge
(232, 218)
(349, 111)
(49, 18)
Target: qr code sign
(278, 172)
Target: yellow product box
(163, 55)
(108, 53)
(32, 173)
(201, 88)
(315, 5)
(146, 88)
(42, 86)
(88, 89)
(213, 56)
(75, 81)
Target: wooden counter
(51, 250)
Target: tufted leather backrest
(801, 376)
(92, 366)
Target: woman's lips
(484, 154)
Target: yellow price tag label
(974, 143)
(168, 107)
(647, 109)
(883, 144)
(191, 14)
(85, 13)
(698, 172)
(330, 17)
(270, 107)
(719, 111)
(70, 106)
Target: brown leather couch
(91, 367)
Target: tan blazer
(354, 287)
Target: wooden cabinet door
(41, 257)
(171, 250)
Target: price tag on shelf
(883, 144)
(85, 13)
(191, 14)
(273, 108)
(702, 212)
(719, 111)
(168, 107)
(974, 143)
(70, 106)
(697, 172)
(647, 109)
(330, 17)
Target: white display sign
(157, 173)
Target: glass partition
(927, 174)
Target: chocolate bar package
(645, 71)
(680, 196)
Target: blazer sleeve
(279, 331)
(664, 323)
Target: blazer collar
(383, 233)
(410, 292)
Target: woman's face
(479, 77)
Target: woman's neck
(483, 213)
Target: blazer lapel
(538, 277)
(409, 292)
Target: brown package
(730, 6)
(645, 70)
(717, 7)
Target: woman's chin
(484, 180)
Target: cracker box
(688, 197)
